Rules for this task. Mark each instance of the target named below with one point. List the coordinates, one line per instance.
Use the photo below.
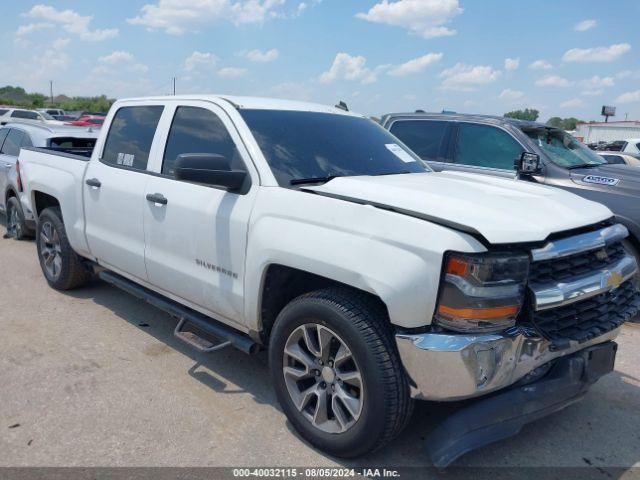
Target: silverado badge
(612, 182)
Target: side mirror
(528, 164)
(208, 169)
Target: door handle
(157, 198)
(93, 182)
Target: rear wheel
(61, 266)
(337, 372)
(16, 225)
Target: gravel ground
(94, 377)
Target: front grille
(587, 319)
(561, 269)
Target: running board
(186, 316)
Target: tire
(633, 251)
(61, 266)
(16, 225)
(361, 324)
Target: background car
(88, 121)
(621, 158)
(13, 137)
(27, 116)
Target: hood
(501, 210)
(619, 179)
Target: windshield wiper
(304, 181)
(585, 165)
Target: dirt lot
(95, 378)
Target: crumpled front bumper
(503, 414)
(448, 367)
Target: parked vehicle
(59, 114)
(27, 116)
(372, 279)
(14, 136)
(490, 145)
(88, 121)
(620, 158)
(631, 145)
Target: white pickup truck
(372, 280)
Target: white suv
(26, 116)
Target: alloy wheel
(51, 250)
(323, 378)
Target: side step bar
(227, 335)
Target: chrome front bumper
(447, 367)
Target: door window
(486, 146)
(12, 143)
(424, 137)
(3, 134)
(614, 159)
(198, 130)
(130, 136)
(25, 114)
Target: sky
(564, 58)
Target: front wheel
(337, 372)
(16, 225)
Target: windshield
(311, 145)
(46, 116)
(563, 149)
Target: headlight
(481, 293)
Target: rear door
(484, 149)
(8, 156)
(196, 240)
(429, 139)
(114, 187)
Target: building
(607, 131)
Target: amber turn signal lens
(479, 313)
(457, 266)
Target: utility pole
(174, 86)
(51, 90)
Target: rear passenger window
(197, 130)
(25, 114)
(12, 143)
(486, 146)
(130, 136)
(424, 137)
(3, 134)
(26, 141)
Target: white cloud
(119, 61)
(32, 27)
(592, 93)
(573, 103)
(199, 61)
(597, 82)
(467, 77)
(597, 54)
(72, 22)
(291, 91)
(231, 72)
(416, 65)
(350, 68)
(511, 64)
(553, 81)
(511, 95)
(540, 65)
(585, 25)
(60, 43)
(426, 18)
(260, 56)
(629, 97)
(175, 17)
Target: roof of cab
(49, 131)
(469, 117)
(252, 103)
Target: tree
(564, 123)
(18, 97)
(530, 114)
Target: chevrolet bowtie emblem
(614, 279)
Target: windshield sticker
(612, 182)
(125, 159)
(399, 152)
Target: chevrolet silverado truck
(493, 146)
(370, 279)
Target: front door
(114, 190)
(196, 235)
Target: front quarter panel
(394, 256)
